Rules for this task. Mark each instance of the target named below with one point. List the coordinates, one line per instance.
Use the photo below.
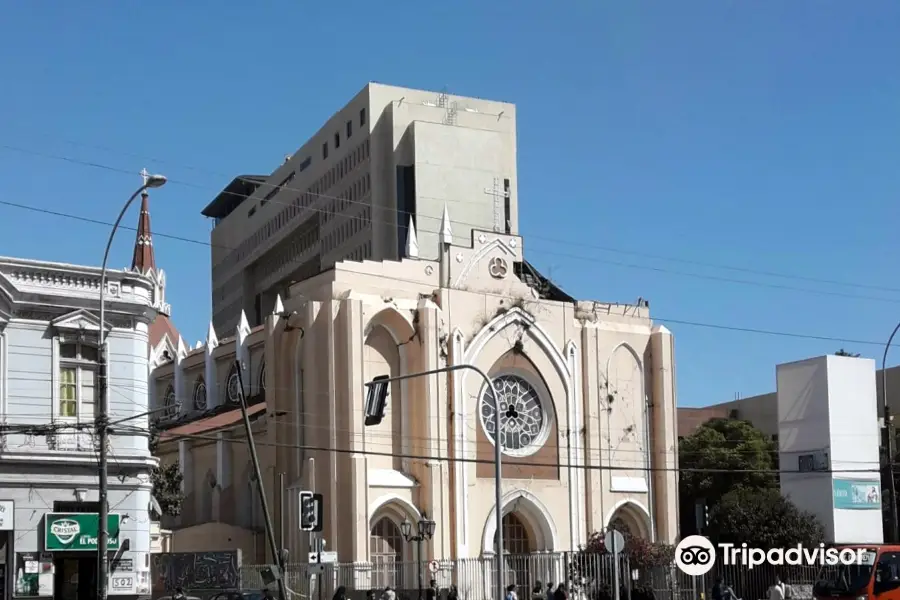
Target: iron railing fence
(753, 584)
(587, 577)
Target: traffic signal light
(376, 399)
(311, 511)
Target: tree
(642, 555)
(720, 456)
(764, 519)
(167, 488)
(843, 352)
(641, 552)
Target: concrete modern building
(49, 332)
(593, 384)
(391, 156)
(829, 445)
(762, 410)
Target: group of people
(538, 592)
(777, 591)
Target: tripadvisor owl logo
(695, 555)
(65, 530)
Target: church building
(591, 442)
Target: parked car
(242, 595)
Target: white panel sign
(122, 584)
(327, 557)
(7, 515)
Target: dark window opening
(337, 140)
(362, 117)
(406, 204)
(349, 128)
(507, 217)
(63, 506)
(257, 310)
(325, 150)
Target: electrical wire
(593, 259)
(518, 462)
(561, 241)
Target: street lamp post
(102, 420)
(381, 383)
(425, 529)
(888, 442)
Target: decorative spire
(279, 306)
(212, 340)
(446, 232)
(144, 260)
(412, 242)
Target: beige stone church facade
(592, 443)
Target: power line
(274, 201)
(660, 319)
(611, 249)
(518, 463)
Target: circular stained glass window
(521, 414)
(172, 403)
(200, 395)
(232, 387)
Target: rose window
(172, 403)
(200, 395)
(232, 387)
(521, 414)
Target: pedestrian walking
(776, 590)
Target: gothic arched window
(386, 553)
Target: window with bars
(78, 390)
(516, 546)
(386, 553)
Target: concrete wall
(827, 410)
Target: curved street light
(888, 442)
(102, 420)
(425, 531)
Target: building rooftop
(240, 188)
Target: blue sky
(656, 140)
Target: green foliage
(167, 488)
(843, 352)
(746, 454)
(763, 519)
(642, 553)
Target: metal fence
(587, 577)
(753, 584)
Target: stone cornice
(29, 286)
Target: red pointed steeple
(144, 259)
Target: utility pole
(315, 539)
(102, 418)
(887, 442)
(251, 444)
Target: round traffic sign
(433, 566)
(614, 541)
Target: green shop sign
(64, 532)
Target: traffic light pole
(270, 531)
(315, 538)
(498, 452)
